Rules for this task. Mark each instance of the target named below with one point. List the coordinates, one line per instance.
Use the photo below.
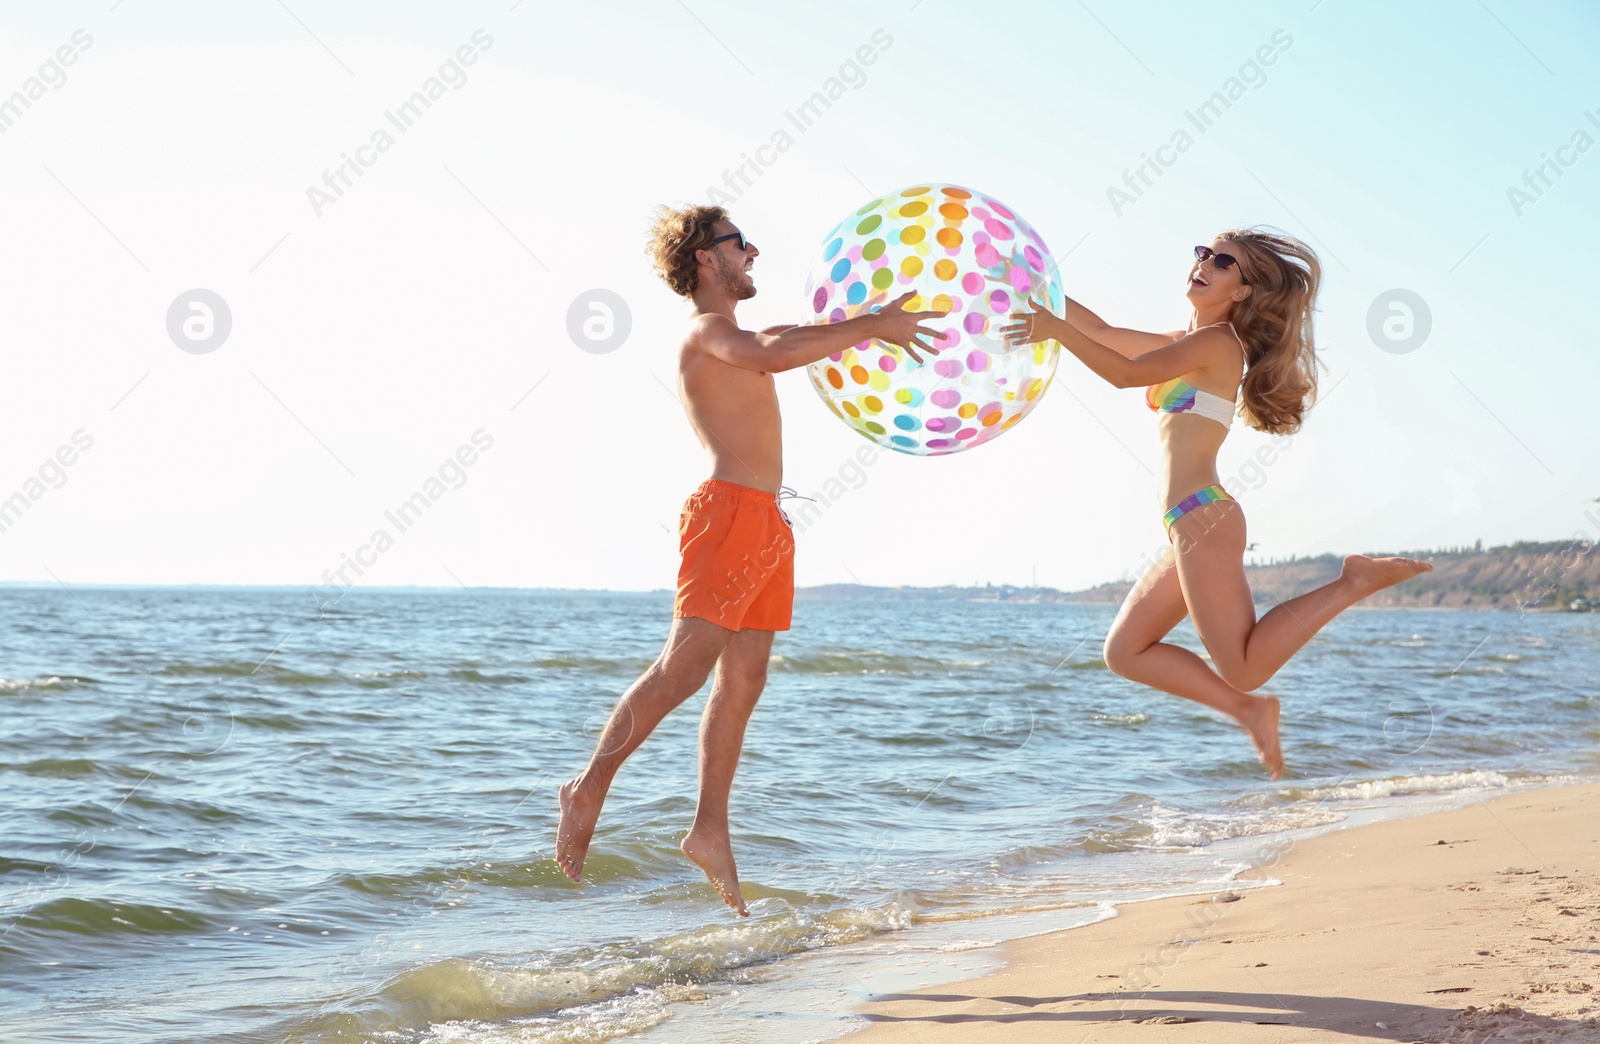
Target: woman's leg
(1210, 544)
(1134, 650)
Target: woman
(1248, 349)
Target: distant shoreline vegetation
(1525, 576)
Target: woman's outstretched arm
(1125, 342)
(1188, 353)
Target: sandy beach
(1472, 925)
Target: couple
(1248, 349)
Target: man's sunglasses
(1219, 260)
(732, 235)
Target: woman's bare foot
(1374, 574)
(580, 811)
(1260, 719)
(714, 854)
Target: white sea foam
(1401, 786)
(1293, 807)
(1136, 718)
(1176, 828)
(962, 945)
(50, 683)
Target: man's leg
(741, 675)
(692, 648)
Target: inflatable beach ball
(969, 257)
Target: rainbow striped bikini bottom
(1209, 495)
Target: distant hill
(1556, 575)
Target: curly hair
(1280, 380)
(675, 235)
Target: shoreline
(1363, 926)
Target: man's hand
(894, 324)
(1031, 327)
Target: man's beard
(734, 280)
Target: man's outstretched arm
(780, 348)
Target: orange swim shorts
(738, 558)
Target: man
(736, 582)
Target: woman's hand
(1040, 324)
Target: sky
(223, 364)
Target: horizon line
(26, 585)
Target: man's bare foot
(1374, 574)
(714, 855)
(1260, 719)
(580, 811)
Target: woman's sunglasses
(732, 235)
(1219, 260)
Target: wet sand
(1472, 925)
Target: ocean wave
(264, 671)
(639, 1008)
(1136, 718)
(273, 722)
(585, 1024)
(985, 908)
(1171, 828)
(1465, 670)
(93, 814)
(1400, 786)
(199, 811)
(66, 767)
(54, 683)
(385, 679)
(590, 986)
(626, 861)
(590, 664)
(274, 674)
(911, 740)
(472, 674)
(11, 864)
(1160, 827)
(73, 768)
(76, 915)
(863, 662)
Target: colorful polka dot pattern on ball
(970, 258)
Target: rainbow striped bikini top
(1179, 396)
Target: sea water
(244, 816)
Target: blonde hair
(1274, 322)
(674, 237)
